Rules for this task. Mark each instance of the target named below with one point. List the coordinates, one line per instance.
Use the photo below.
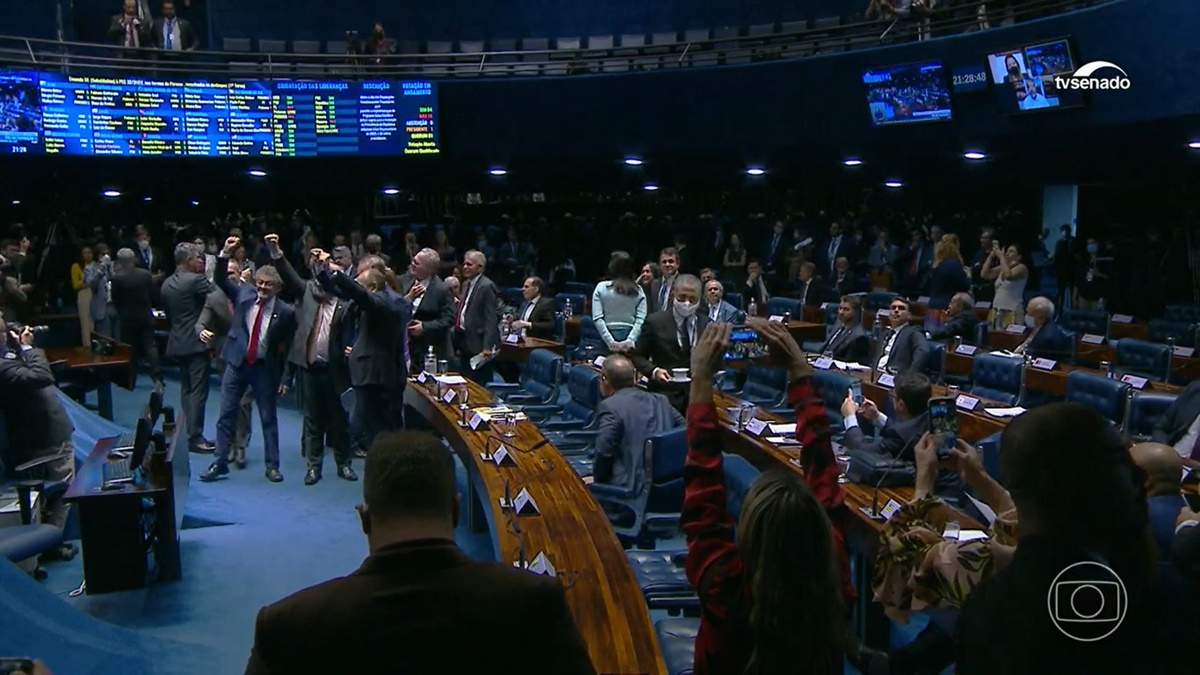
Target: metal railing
(89, 59)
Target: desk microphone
(507, 496)
(873, 512)
(521, 554)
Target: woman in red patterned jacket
(772, 599)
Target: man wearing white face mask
(667, 339)
(1045, 339)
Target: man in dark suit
(132, 297)
(318, 354)
(837, 246)
(416, 585)
(903, 346)
(807, 288)
(627, 417)
(477, 326)
(776, 253)
(1064, 264)
(1164, 475)
(129, 29)
(848, 341)
(1179, 426)
(1046, 339)
(184, 294)
(755, 289)
(213, 327)
(376, 353)
(255, 352)
(1185, 548)
(843, 281)
(667, 339)
(535, 317)
(37, 423)
(433, 308)
(171, 33)
(660, 297)
(148, 257)
(961, 321)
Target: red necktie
(252, 349)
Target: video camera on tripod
(353, 44)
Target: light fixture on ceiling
(633, 161)
(257, 173)
(853, 162)
(974, 155)
(755, 171)
(498, 172)
(649, 187)
(111, 194)
(893, 184)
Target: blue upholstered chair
(765, 387)
(989, 450)
(578, 288)
(677, 637)
(571, 426)
(877, 300)
(1143, 412)
(779, 306)
(512, 297)
(1094, 322)
(1183, 332)
(998, 378)
(588, 337)
(734, 298)
(29, 539)
(1144, 359)
(652, 505)
(1107, 396)
(1186, 312)
(539, 381)
(935, 362)
(831, 387)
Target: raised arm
(29, 371)
(292, 283)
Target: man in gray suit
(433, 308)
(184, 294)
(903, 346)
(716, 308)
(477, 326)
(213, 327)
(848, 341)
(627, 417)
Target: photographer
(37, 423)
(14, 293)
(379, 46)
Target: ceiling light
(1195, 145)
(974, 154)
(755, 171)
(633, 161)
(894, 184)
(853, 162)
(16, 202)
(649, 187)
(195, 203)
(111, 193)
(391, 191)
(257, 173)
(498, 172)
(147, 199)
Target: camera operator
(379, 46)
(37, 423)
(14, 292)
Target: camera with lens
(353, 46)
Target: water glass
(510, 425)
(443, 366)
(745, 414)
(463, 392)
(843, 462)
(952, 390)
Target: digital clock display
(969, 78)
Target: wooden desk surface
(90, 477)
(572, 530)
(1049, 381)
(84, 358)
(519, 352)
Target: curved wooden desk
(572, 530)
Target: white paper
(451, 379)
(883, 312)
(777, 318)
(1016, 329)
(524, 501)
(826, 305)
(887, 380)
(983, 304)
(1044, 364)
(966, 350)
(756, 426)
(783, 429)
(780, 440)
(479, 359)
(971, 535)
(1184, 352)
(541, 565)
(448, 397)
(890, 509)
(1005, 412)
(986, 510)
(512, 339)
(966, 402)
(1122, 318)
(850, 365)
(1007, 354)
(1134, 381)
(599, 362)
(823, 363)
(1089, 339)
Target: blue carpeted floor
(246, 543)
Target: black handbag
(871, 468)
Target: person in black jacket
(37, 423)
(961, 321)
(849, 341)
(535, 317)
(133, 298)
(903, 345)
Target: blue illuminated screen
(916, 92)
(58, 114)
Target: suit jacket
(1185, 552)
(758, 292)
(847, 285)
(850, 344)
(187, 35)
(184, 295)
(625, 420)
(1050, 342)
(909, 350)
(96, 277)
(658, 347)
(726, 313)
(116, 31)
(133, 296)
(652, 298)
(541, 319)
(400, 605)
(307, 309)
(816, 293)
(376, 332)
(1174, 423)
(963, 325)
(217, 316)
(1164, 509)
(775, 257)
(898, 439)
(151, 258)
(279, 332)
(34, 417)
(480, 317)
(436, 313)
(845, 249)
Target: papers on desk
(451, 380)
(1005, 412)
(1006, 354)
(986, 510)
(849, 365)
(783, 429)
(1185, 352)
(971, 535)
(486, 414)
(1090, 339)
(158, 313)
(479, 359)
(780, 440)
(1122, 318)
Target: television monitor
(915, 92)
(1023, 78)
(20, 113)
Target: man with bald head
(433, 308)
(477, 324)
(1164, 474)
(628, 416)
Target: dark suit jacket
(399, 607)
(378, 339)
(658, 347)
(216, 316)
(1185, 552)
(898, 438)
(116, 31)
(541, 320)
(652, 296)
(626, 419)
(133, 296)
(436, 313)
(183, 296)
(963, 325)
(34, 417)
(1174, 423)
(157, 262)
(307, 308)
(481, 317)
(816, 293)
(279, 333)
(909, 351)
(849, 344)
(1050, 342)
(1164, 509)
(845, 250)
(187, 35)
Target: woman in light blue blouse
(619, 305)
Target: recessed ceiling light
(853, 162)
(650, 187)
(195, 203)
(257, 173)
(633, 161)
(111, 193)
(755, 171)
(16, 202)
(974, 154)
(147, 199)
(894, 184)
(498, 172)
(391, 191)
(1195, 145)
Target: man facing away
(626, 418)
(183, 295)
(417, 587)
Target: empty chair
(734, 298)
(306, 46)
(539, 381)
(272, 46)
(600, 42)
(1163, 331)
(779, 306)
(877, 300)
(590, 344)
(579, 288)
(1084, 321)
(828, 36)
(997, 378)
(576, 300)
(1143, 411)
(765, 386)
(1106, 395)
(831, 387)
(677, 637)
(989, 450)
(727, 47)
(236, 44)
(935, 362)
(1144, 359)
(571, 426)
(1189, 313)
(438, 60)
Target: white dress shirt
(851, 421)
(887, 349)
(1185, 444)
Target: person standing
(433, 308)
(97, 277)
(259, 335)
(317, 354)
(477, 327)
(83, 294)
(183, 296)
(213, 327)
(132, 295)
(171, 33)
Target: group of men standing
(346, 339)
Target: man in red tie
(254, 354)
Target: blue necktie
(170, 33)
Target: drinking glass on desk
(463, 392)
(443, 367)
(843, 462)
(509, 425)
(952, 390)
(745, 414)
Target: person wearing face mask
(667, 339)
(1091, 281)
(1044, 338)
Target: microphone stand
(873, 512)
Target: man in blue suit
(715, 306)
(1164, 474)
(627, 417)
(1046, 339)
(255, 354)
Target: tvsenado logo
(1089, 76)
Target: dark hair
(1102, 508)
(622, 273)
(538, 284)
(914, 390)
(901, 298)
(669, 251)
(855, 304)
(408, 473)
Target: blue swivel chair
(653, 505)
(576, 300)
(1107, 396)
(831, 387)
(539, 381)
(1187, 312)
(1144, 359)
(785, 306)
(1143, 411)
(1094, 322)
(578, 288)
(997, 378)
(734, 298)
(765, 387)
(589, 337)
(677, 637)
(1163, 330)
